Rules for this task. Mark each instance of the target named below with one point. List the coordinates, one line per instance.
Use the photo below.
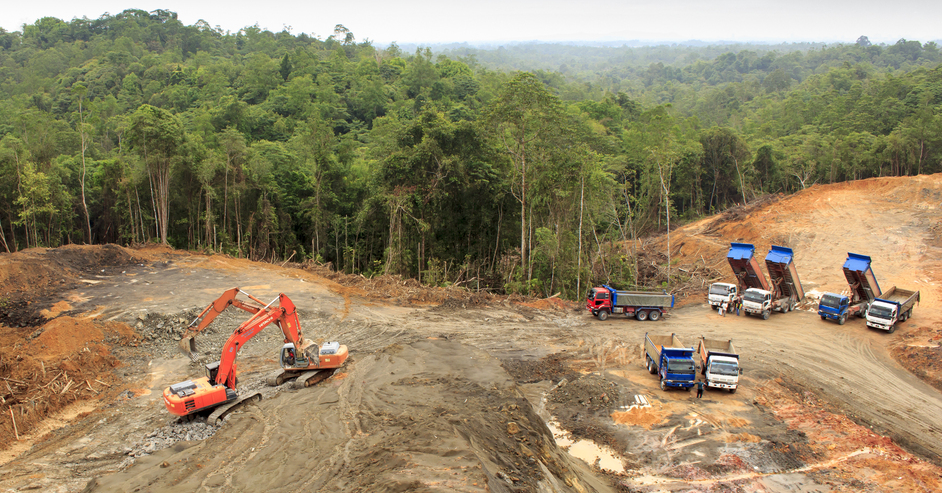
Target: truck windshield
(754, 296)
(679, 366)
(598, 295)
(720, 290)
(831, 301)
(724, 368)
(878, 311)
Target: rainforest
(527, 168)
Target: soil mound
(64, 361)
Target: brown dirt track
(447, 390)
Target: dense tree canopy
(516, 168)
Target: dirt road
(456, 396)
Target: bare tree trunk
(4, 238)
(631, 229)
(208, 223)
(523, 221)
(88, 224)
(742, 184)
(581, 211)
(500, 219)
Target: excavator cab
(292, 358)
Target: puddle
(588, 451)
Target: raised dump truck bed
(860, 278)
(784, 291)
(745, 267)
(863, 287)
(784, 277)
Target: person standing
(738, 304)
(699, 389)
(723, 308)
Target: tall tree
(523, 120)
(157, 136)
(81, 91)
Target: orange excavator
(299, 357)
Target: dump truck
(643, 305)
(784, 290)
(719, 363)
(673, 362)
(893, 306)
(747, 272)
(863, 290)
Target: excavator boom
(228, 298)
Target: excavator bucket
(188, 347)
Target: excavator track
(222, 411)
(309, 378)
(277, 378)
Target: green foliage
(528, 168)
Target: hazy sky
(428, 21)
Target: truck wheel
(663, 386)
(603, 314)
(892, 329)
(841, 320)
(641, 315)
(653, 315)
(765, 315)
(824, 317)
(732, 391)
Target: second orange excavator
(299, 357)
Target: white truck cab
(882, 315)
(722, 372)
(757, 302)
(720, 292)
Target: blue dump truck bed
(781, 266)
(746, 267)
(860, 279)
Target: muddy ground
(448, 390)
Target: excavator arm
(206, 317)
(285, 316)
